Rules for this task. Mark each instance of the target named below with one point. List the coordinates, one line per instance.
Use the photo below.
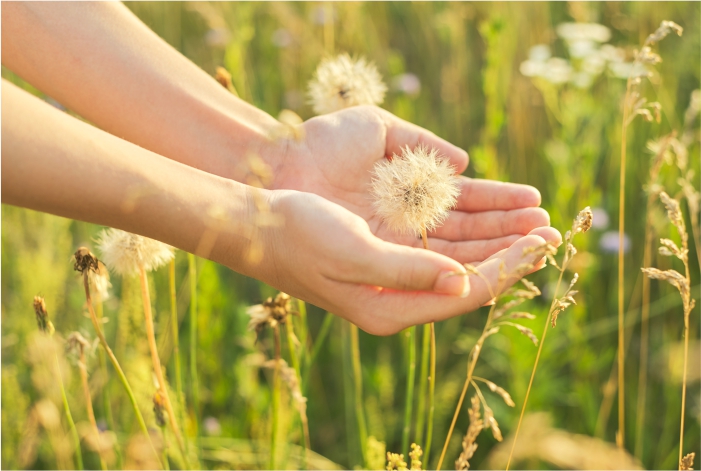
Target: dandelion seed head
(271, 312)
(125, 253)
(342, 82)
(414, 191)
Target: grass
(466, 57)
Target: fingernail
(455, 283)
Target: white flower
(539, 53)
(126, 253)
(583, 32)
(341, 82)
(557, 70)
(581, 48)
(415, 191)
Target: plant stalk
(358, 383)
(158, 370)
(117, 367)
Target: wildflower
(414, 192)
(42, 316)
(126, 253)
(76, 344)
(407, 83)
(583, 32)
(583, 221)
(539, 53)
(271, 312)
(212, 426)
(342, 82)
(600, 218)
(395, 462)
(609, 242)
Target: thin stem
(106, 402)
(474, 355)
(431, 395)
(276, 400)
(83, 368)
(158, 370)
(69, 416)
(644, 336)
(165, 450)
(115, 365)
(358, 383)
(174, 332)
(687, 312)
(620, 436)
(294, 359)
(424, 238)
(318, 343)
(303, 332)
(192, 270)
(537, 357)
(411, 379)
(423, 385)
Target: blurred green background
(455, 69)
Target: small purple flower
(407, 83)
(212, 426)
(282, 38)
(600, 218)
(609, 242)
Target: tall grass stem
(358, 383)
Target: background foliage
(562, 139)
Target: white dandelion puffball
(125, 253)
(414, 191)
(341, 82)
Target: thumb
(399, 267)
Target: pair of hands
(335, 252)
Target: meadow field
(534, 98)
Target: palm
(336, 158)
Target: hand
(327, 255)
(335, 160)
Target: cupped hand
(329, 256)
(335, 160)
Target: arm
(102, 62)
(323, 253)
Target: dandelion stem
(69, 416)
(411, 379)
(158, 370)
(175, 333)
(276, 401)
(358, 383)
(117, 367)
(83, 368)
(192, 270)
(431, 395)
(421, 410)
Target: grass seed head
(687, 463)
(125, 252)
(414, 191)
(42, 316)
(342, 82)
(468, 442)
(271, 312)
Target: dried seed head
(664, 29)
(687, 463)
(468, 442)
(271, 312)
(289, 377)
(342, 82)
(42, 316)
(672, 277)
(673, 212)
(85, 260)
(76, 344)
(415, 191)
(583, 221)
(159, 404)
(100, 281)
(126, 253)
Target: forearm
(99, 60)
(57, 164)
